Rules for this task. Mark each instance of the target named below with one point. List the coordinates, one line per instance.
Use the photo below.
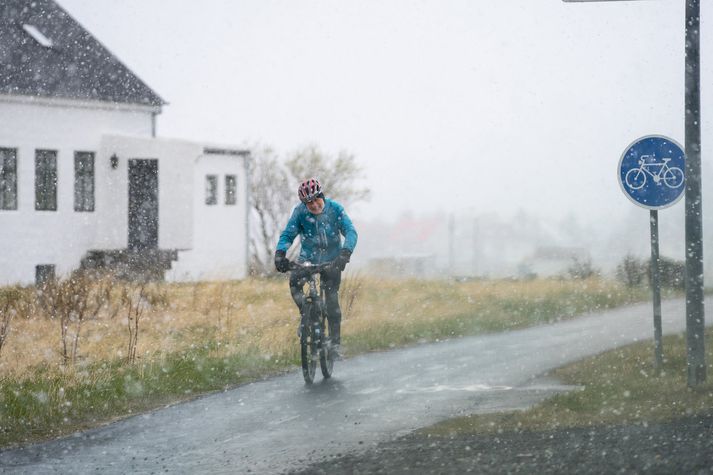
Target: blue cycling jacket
(320, 234)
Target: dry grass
(261, 314)
(176, 317)
(194, 338)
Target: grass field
(194, 338)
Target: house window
(44, 273)
(231, 189)
(8, 178)
(46, 180)
(211, 189)
(83, 181)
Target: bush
(672, 273)
(632, 271)
(581, 268)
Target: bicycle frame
(660, 172)
(314, 341)
(646, 167)
(313, 295)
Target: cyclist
(319, 222)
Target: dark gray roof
(76, 66)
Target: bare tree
(272, 201)
(338, 174)
(274, 189)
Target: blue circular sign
(652, 172)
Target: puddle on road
(444, 387)
(367, 391)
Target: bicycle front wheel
(326, 357)
(309, 352)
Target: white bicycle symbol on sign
(659, 171)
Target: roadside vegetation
(617, 387)
(81, 353)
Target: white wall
(175, 189)
(29, 237)
(213, 238)
(220, 231)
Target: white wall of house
(220, 230)
(212, 238)
(29, 237)
(176, 160)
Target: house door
(143, 204)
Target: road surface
(281, 424)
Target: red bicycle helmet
(309, 190)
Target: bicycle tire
(326, 358)
(308, 349)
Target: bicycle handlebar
(311, 268)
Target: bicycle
(672, 177)
(315, 343)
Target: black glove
(282, 263)
(341, 261)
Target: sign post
(695, 316)
(695, 312)
(651, 174)
(656, 285)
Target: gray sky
(449, 105)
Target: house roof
(45, 52)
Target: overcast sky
(449, 105)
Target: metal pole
(451, 251)
(656, 287)
(695, 325)
(475, 247)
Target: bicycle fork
(310, 324)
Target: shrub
(73, 301)
(11, 303)
(672, 273)
(632, 271)
(581, 268)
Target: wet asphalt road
(280, 424)
(680, 446)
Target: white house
(83, 179)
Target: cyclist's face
(315, 206)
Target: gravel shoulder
(683, 445)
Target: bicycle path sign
(651, 172)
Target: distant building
(83, 179)
(552, 261)
(410, 266)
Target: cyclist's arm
(347, 229)
(290, 232)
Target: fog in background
(490, 131)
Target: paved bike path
(281, 424)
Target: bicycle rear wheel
(309, 352)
